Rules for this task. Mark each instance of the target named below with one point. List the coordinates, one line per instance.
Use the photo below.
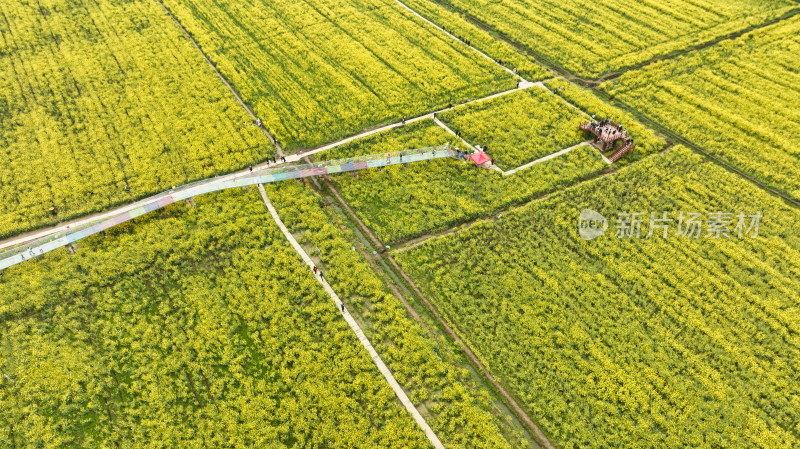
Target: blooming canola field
(591, 38)
(553, 296)
(738, 100)
(627, 340)
(102, 103)
(319, 70)
(198, 326)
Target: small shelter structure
(480, 158)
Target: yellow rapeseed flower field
(319, 70)
(737, 100)
(590, 38)
(104, 102)
(632, 342)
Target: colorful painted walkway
(51, 242)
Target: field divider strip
(387, 374)
(43, 232)
(493, 215)
(474, 360)
(425, 19)
(522, 86)
(447, 128)
(294, 157)
(685, 51)
(645, 120)
(559, 70)
(221, 77)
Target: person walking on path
(315, 269)
(251, 169)
(321, 276)
(342, 304)
(283, 158)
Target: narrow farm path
(495, 214)
(455, 38)
(594, 84)
(355, 327)
(546, 158)
(80, 222)
(294, 157)
(451, 332)
(272, 140)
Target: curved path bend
(68, 234)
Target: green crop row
(737, 100)
(194, 327)
(103, 103)
(632, 342)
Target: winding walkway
(87, 220)
(355, 327)
(66, 235)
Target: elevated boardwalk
(60, 239)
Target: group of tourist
(274, 160)
(610, 128)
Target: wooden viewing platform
(608, 132)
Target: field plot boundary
(474, 360)
(221, 78)
(492, 215)
(682, 169)
(401, 395)
(42, 232)
(547, 158)
(614, 75)
(430, 22)
(528, 164)
(559, 70)
(645, 120)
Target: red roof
(479, 158)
